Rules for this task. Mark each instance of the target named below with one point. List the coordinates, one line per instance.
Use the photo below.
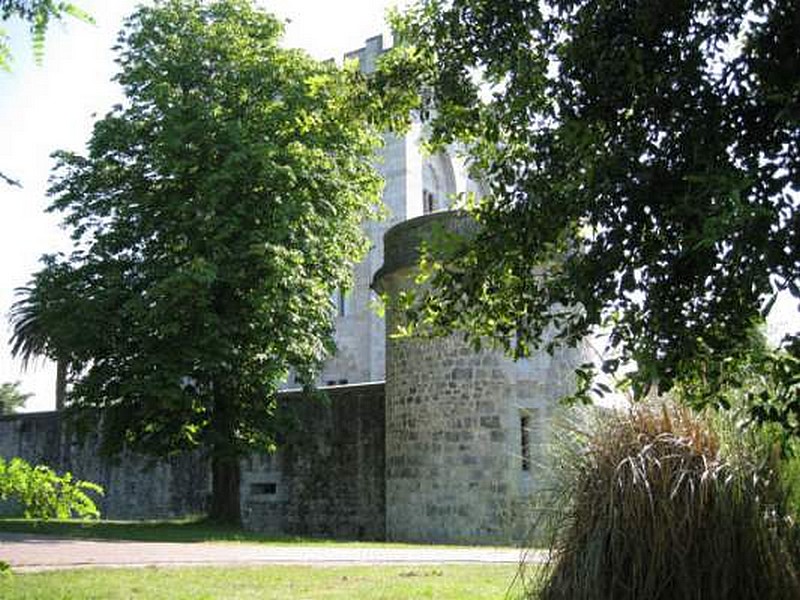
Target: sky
(52, 106)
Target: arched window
(438, 183)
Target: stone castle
(415, 440)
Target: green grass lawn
(186, 530)
(448, 582)
(444, 582)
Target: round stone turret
(464, 429)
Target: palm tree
(30, 338)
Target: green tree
(212, 217)
(11, 398)
(642, 161)
(30, 338)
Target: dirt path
(26, 552)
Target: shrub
(44, 494)
(660, 507)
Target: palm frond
(29, 338)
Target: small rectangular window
(525, 441)
(263, 489)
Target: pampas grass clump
(657, 509)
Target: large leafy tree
(214, 214)
(642, 160)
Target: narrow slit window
(428, 203)
(525, 441)
(339, 301)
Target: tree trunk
(61, 383)
(225, 469)
(225, 480)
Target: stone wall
(136, 487)
(327, 479)
(448, 460)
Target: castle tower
(415, 184)
(465, 430)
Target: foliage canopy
(643, 165)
